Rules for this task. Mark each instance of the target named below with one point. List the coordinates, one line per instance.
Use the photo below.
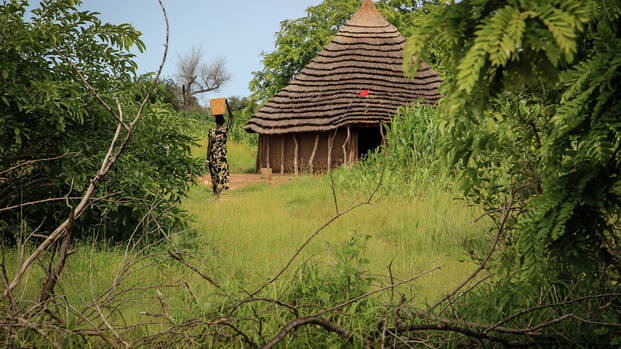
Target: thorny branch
(30, 162)
(38, 202)
(544, 306)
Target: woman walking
(216, 154)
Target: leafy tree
(168, 92)
(54, 133)
(297, 42)
(532, 114)
(237, 103)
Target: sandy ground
(239, 180)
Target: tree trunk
(187, 96)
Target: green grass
(252, 232)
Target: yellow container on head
(218, 106)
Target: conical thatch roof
(366, 54)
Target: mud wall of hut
(278, 152)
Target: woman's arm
(230, 122)
(209, 145)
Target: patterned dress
(218, 166)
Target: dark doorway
(369, 138)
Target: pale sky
(235, 29)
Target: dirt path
(239, 180)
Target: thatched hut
(331, 112)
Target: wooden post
(345, 146)
(330, 144)
(269, 140)
(282, 154)
(296, 154)
(382, 133)
(312, 157)
(259, 162)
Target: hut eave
(253, 128)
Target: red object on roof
(363, 93)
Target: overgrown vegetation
(532, 133)
(528, 132)
(55, 134)
(412, 164)
(531, 115)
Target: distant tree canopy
(299, 40)
(237, 103)
(54, 133)
(532, 113)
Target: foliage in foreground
(509, 160)
(533, 115)
(54, 134)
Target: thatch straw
(366, 54)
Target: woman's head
(219, 120)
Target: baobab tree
(196, 77)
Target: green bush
(54, 134)
(345, 279)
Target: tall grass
(249, 234)
(411, 163)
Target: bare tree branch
(391, 286)
(52, 278)
(93, 91)
(451, 328)
(325, 225)
(544, 306)
(30, 162)
(268, 300)
(196, 77)
(32, 203)
(310, 320)
(506, 213)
